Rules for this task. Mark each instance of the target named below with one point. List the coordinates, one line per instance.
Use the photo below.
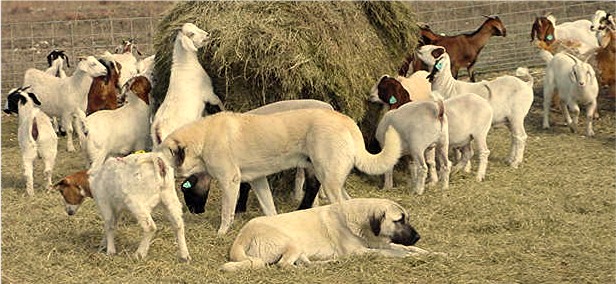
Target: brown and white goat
(463, 48)
(103, 93)
(573, 36)
(74, 189)
(606, 56)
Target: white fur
(44, 147)
(300, 175)
(138, 182)
(420, 130)
(417, 85)
(600, 22)
(190, 88)
(65, 98)
(145, 67)
(118, 132)
(510, 97)
(575, 82)
(578, 32)
(57, 67)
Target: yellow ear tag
(139, 152)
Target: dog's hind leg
(264, 195)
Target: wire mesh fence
(25, 44)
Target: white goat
(56, 59)
(388, 93)
(575, 82)
(190, 88)
(106, 137)
(422, 125)
(138, 182)
(66, 98)
(35, 134)
(510, 97)
(124, 55)
(145, 67)
(576, 35)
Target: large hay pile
(263, 52)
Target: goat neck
(481, 36)
(442, 80)
(182, 56)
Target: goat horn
(572, 57)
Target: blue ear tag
(392, 100)
(439, 65)
(186, 184)
(549, 37)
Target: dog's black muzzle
(406, 235)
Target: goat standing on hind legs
(463, 49)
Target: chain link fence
(25, 44)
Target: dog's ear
(179, 154)
(375, 223)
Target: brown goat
(463, 49)
(103, 93)
(606, 56)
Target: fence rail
(25, 45)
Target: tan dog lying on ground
(234, 148)
(352, 227)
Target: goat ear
(437, 52)
(188, 44)
(34, 99)
(375, 223)
(68, 63)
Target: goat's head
(18, 98)
(426, 35)
(436, 58)
(582, 73)
(390, 92)
(92, 66)
(497, 26)
(127, 46)
(602, 20)
(74, 189)
(55, 54)
(196, 189)
(543, 29)
(140, 87)
(193, 37)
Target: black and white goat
(35, 134)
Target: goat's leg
(484, 154)
(566, 115)
(433, 176)
(444, 165)
(264, 194)
(465, 157)
(590, 110)
(471, 72)
(548, 92)
(149, 229)
(575, 116)
(174, 212)
(49, 160)
(110, 226)
(79, 127)
(388, 179)
(300, 178)
(28, 157)
(421, 170)
(67, 123)
(518, 141)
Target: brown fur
(71, 186)
(141, 87)
(103, 93)
(606, 56)
(464, 49)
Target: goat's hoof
(590, 133)
(184, 259)
(140, 254)
(479, 179)
(111, 252)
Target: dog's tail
(383, 161)
(249, 263)
(238, 252)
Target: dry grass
(549, 221)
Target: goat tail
(376, 164)
(545, 55)
(524, 74)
